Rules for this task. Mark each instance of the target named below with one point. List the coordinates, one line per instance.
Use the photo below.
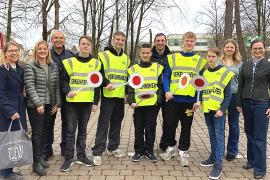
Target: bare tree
(239, 34)
(56, 14)
(213, 18)
(228, 19)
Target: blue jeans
(6, 172)
(256, 127)
(216, 129)
(233, 121)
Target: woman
(215, 101)
(41, 79)
(12, 104)
(253, 99)
(231, 59)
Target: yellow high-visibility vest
(180, 64)
(78, 73)
(213, 95)
(150, 76)
(115, 68)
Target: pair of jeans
(178, 111)
(109, 125)
(47, 147)
(6, 172)
(256, 127)
(64, 123)
(77, 115)
(216, 130)
(39, 124)
(145, 122)
(234, 132)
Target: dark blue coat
(11, 98)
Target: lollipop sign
(94, 79)
(145, 97)
(136, 81)
(199, 83)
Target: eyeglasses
(13, 51)
(257, 49)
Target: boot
(39, 169)
(44, 163)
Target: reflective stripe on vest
(78, 73)
(213, 95)
(180, 64)
(115, 68)
(150, 76)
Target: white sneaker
(168, 154)
(183, 158)
(117, 153)
(97, 160)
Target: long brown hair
(236, 55)
(49, 57)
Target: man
(81, 99)
(160, 52)
(181, 102)
(114, 67)
(58, 53)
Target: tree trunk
(150, 37)
(228, 19)
(239, 32)
(9, 20)
(117, 15)
(44, 23)
(56, 14)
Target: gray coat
(35, 84)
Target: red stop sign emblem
(136, 80)
(94, 78)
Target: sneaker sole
(97, 164)
(208, 165)
(111, 154)
(215, 177)
(137, 160)
(152, 161)
(87, 165)
(167, 159)
(65, 170)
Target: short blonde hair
(49, 57)
(119, 33)
(189, 34)
(236, 55)
(5, 49)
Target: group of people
(56, 78)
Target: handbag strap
(10, 125)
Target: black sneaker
(137, 157)
(39, 169)
(207, 163)
(85, 161)
(215, 173)
(151, 157)
(66, 165)
(230, 157)
(247, 166)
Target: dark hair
(145, 45)
(257, 41)
(160, 34)
(86, 37)
(213, 50)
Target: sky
(173, 22)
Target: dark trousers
(50, 134)
(234, 132)
(256, 127)
(216, 130)
(77, 115)
(39, 124)
(109, 125)
(178, 111)
(145, 122)
(163, 145)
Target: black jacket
(161, 59)
(254, 86)
(160, 91)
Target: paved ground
(123, 169)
